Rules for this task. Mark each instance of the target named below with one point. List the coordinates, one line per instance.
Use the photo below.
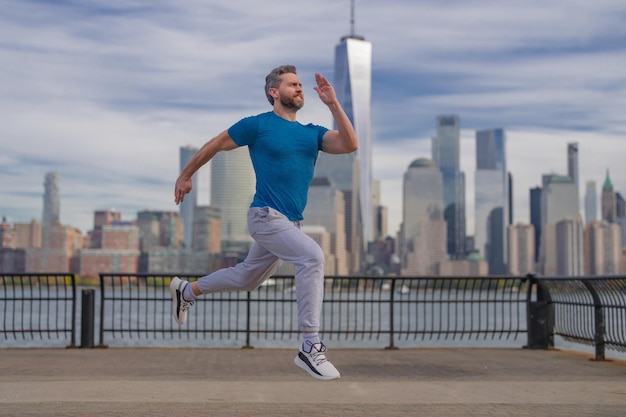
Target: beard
(290, 103)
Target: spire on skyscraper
(352, 34)
(607, 181)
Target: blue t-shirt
(283, 155)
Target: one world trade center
(352, 173)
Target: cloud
(105, 92)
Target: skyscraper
(572, 163)
(591, 202)
(232, 190)
(535, 217)
(603, 248)
(521, 249)
(492, 199)
(446, 155)
(51, 200)
(569, 247)
(380, 212)
(352, 173)
(620, 206)
(187, 207)
(326, 209)
(51, 207)
(423, 241)
(510, 198)
(609, 203)
(561, 227)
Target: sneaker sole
(301, 364)
(175, 301)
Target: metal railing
(589, 310)
(369, 311)
(397, 311)
(38, 307)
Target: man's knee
(314, 259)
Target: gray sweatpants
(277, 239)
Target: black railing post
(102, 307)
(600, 326)
(248, 313)
(73, 337)
(539, 316)
(87, 322)
(599, 332)
(392, 292)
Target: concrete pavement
(265, 382)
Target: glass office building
(446, 155)
(492, 199)
(352, 173)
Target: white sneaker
(181, 306)
(316, 363)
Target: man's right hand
(183, 186)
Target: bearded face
(290, 94)
(292, 102)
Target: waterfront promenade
(265, 382)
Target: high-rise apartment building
(326, 208)
(51, 200)
(560, 247)
(572, 163)
(492, 199)
(603, 248)
(446, 146)
(569, 240)
(232, 189)
(187, 207)
(521, 249)
(352, 173)
(591, 202)
(423, 241)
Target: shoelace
(318, 355)
(184, 305)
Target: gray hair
(274, 78)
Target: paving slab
(265, 382)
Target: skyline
(106, 94)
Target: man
(283, 154)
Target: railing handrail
(599, 300)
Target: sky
(105, 92)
